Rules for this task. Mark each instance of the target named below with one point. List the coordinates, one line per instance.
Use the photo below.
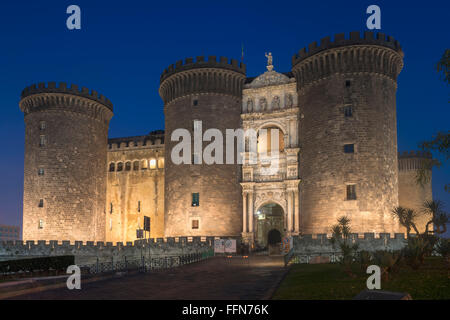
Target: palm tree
(406, 217)
(439, 217)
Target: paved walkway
(216, 279)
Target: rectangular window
(41, 224)
(41, 172)
(194, 224)
(348, 83)
(351, 192)
(195, 102)
(139, 206)
(41, 203)
(42, 125)
(195, 199)
(348, 111)
(111, 208)
(349, 148)
(42, 141)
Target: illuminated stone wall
(135, 186)
(209, 91)
(66, 132)
(411, 194)
(360, 74)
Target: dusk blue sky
(124, 46)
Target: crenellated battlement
(154, 139)
(200, 62)
(374, 54)
(412, 160)
(88, 252)
(340, 40)
(202, 77)
(321, 244)
(63, 88)
(414, 154)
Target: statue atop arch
(269, 61)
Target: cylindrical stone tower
(348, 132)
(202, 199)
(411, 194)
(66, 137)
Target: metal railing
(299, 258)
(146, 264)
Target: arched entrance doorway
(273, 237)
(269, 225)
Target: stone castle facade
(335, 112)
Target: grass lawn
(329, 281)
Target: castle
(336, 114)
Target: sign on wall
(225, 246)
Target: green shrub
(387, 261)
(364, 259)
(414, 253)
(34, 264)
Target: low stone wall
(320, 245)
(89, 252)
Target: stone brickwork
(411, 194)
(135, 186)
(320, 244)
(357, 73)
(89, 252)
(211, 92)
(66, 134)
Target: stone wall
(319, 244)
(411, 194)
(209, 92)
(136, 189)
(88, 252)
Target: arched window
(112, 167)
(152, 163)
(144, 164)
(265, 136)
(128, 166)
(136, 165)
(160, 163)
(119, 166)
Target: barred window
(351, 192)
(42, 141)
(349, 148)
(195, 199)
(348, 111)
